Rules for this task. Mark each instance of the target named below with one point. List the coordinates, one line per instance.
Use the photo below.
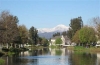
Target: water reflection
(80, 58)
(48, 56)
(61, 52)
(98, 58)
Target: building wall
(52, 41)
(62, 38)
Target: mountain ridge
(58, 28)
(48, 32)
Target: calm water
(53, 57)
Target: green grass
(79, 48)
(91, 49)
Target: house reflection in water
(98, 58)
(61, 52)
(50, 56)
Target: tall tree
(36, 36)
(69, 33)
(10, 23)
(2, 29)
(23, 31)
(96, 24)
(75, 24)
(33, 35)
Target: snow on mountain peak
(58, 28)
(61, 25)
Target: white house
(65, 40)
(98, 43)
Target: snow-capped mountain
(48, 32)
(58, 28)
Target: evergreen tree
(33, 35)
(56, 34)
(75, 25)
(64, 33)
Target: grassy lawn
(91, 49)
(84, 49)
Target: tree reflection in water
(53, 57)
(58, 52)
(82, 58)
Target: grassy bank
(84, 49)
(91, 49)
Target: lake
(48, 56)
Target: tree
(33, 35)
(45, 42)
(69, 33)
(10, 24)
(75, 25)
(58, 41)
(87, 35)
(2, 29)
(23, 31)
(76, 37)
(64, 33)
(96, 24)
(40, 40)
(56, 34)
(36, 36)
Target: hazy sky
(49, 13)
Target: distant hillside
(48, 32)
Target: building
(65, 40)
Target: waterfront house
(65, 40)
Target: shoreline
(84, 49)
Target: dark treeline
(13, 35)
(56, 34)
(60, 33)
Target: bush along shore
(11, 51)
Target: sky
(50, 13)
